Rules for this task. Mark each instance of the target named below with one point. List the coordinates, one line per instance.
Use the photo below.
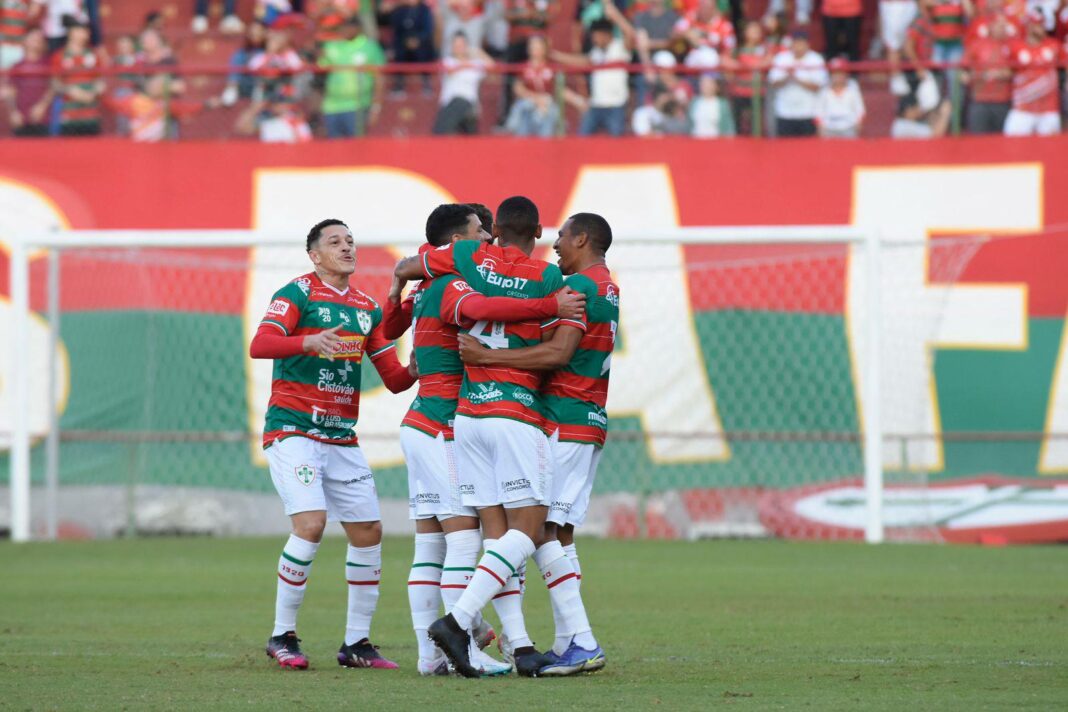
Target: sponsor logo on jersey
(289, 428)
(305, 474)
(327, 384)
(612, 295)
(516, 485)
(525, 397)
(278, 307)
(364, 320)
(345, 318)
(303, 284)
(351, 347)
(596, 417)
(461, 286)
(488, 271)
(485, 393)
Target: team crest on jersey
(306, 474)
(364, 320)
(612, 295)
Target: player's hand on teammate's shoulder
(472, 351)
(395, 289)
(325, 343)
(570, 304)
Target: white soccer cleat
(505, 647)
(488, 666)
(435, 666)
(483, 634)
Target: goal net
(742, 383)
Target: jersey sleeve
(396, 318)
(447, 258)
(581, 284)
(285, 309)
(377, 343)
(452, 296)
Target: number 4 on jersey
(608, 359)
(495, 339)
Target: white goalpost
(682, 433)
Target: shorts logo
(564, 507)
(361, 478)
(524, 397)
(467, 489)
(306, 474)
(278, 307)
(516, 485)
(428, 498)
(364, 320)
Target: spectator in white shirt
(840, 109)
(913, 122)
(797, 74)
(53, 24)
(465, 68)
(607, 104)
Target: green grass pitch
(181, 623)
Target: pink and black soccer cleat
(285, 649)
(362, 654)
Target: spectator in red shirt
(526, 18)
(534, 112)
(841, 28)
(78, 84)
(1035, 95)
(17, 17)
(747, 74)
(706, 26)
(30, 93)
(990, 78)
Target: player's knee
(566, 534)
(310, 527)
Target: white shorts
(501, 461)
(895, 16)
(1028, 123)
(312, 476)
(575, 470)
(433, 483)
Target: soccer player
(447, 538)
(501, 451)
(579, 353)
(317, 329)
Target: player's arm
(549, 355)
(397, 315)
(274, 338)
(430, 264)
(383, 353)
(462, 305)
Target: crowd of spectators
(704, 68)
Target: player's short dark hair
(447, 220)
(602, 25)
(317, 231)
(518, 217)
(485, 215)
(598, 229)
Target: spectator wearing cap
(412, 23)
(990, 78)
(1035, 92)
(663, 78)
(534, 112)
(17, 18)
(841, 28)
(78, 83)
(464, 69)
(351, 99)
(710, 114)
(231, 24)
(797, 74)
(606, 108)
(840, 109)
(31, 90)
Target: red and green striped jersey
(435, 328)
(14, 20)
(495, 271)
(310, 395)
(575, 396)
(78, 72)
(947, 19)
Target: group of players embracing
(502, 441)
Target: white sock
(461, 556)
(573, 555)
(294, 565)
(424, 592)
(494, 570)
(363, 569)
(562, 581)
(509, 606)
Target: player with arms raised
(501, 451)
(447, 537)
(317, 329)
(579, 353)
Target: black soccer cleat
(529, 662)
(285, 649)
(453, 641)
(362, 654)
